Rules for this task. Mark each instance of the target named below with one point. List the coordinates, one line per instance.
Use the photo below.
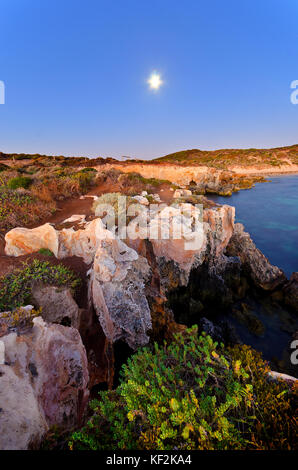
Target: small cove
(269, 212)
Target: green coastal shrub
(275, 426)
(88, 170)
(137, 182)
(192, 394)
(16, 287)
(109, 176)
(84, 178)
(19, 182)
(112, 200)
(45, 252)
(185, 395)
(20, 317)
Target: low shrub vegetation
(192, 394)
(19, 182)
(275, 424)
(134, 183)
(223, 159)
(16, 287)
(112, 199)
(45, 252)
(20, 208)
(29, 193)
(20, 318)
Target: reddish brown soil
(65, 210)
(76, 205)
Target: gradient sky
(75, 74)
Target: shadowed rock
(42, 383)
(262, 272)
(117, 285)
(58, 305)
(291, 292)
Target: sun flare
(154, 81)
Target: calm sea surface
(269, 212)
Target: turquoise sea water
(269, 212)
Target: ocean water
(269, 212)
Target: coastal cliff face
(202, 179)
(120, 274)
(174, 173)
(263, 274)
(137, 290)
(207, 179)
(180, 258)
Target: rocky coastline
(136, 291)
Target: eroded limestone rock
(141, 200)
(58, 305)
(258, 267)
(22, 241)
(117, 281)
(63, 243)
(182, 193)
(117, 285)
(276, 376)
(190, 251)
(42, 383)
(80, 219)
(83, 242)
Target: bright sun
(154, 81)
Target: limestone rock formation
(141, 200)
(207, 242)
(182, 193)
(206, 178)
(63, 243)
(80, 219)
(58, 305)
(42, 383)
(220, 228)
(116, 290)
(22, 424)
(173, 238)
(257, 266)
(82, 243)
(22, 241)
(117, 280)
(276, 376)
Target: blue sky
(75, 75)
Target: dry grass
(19, 207)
